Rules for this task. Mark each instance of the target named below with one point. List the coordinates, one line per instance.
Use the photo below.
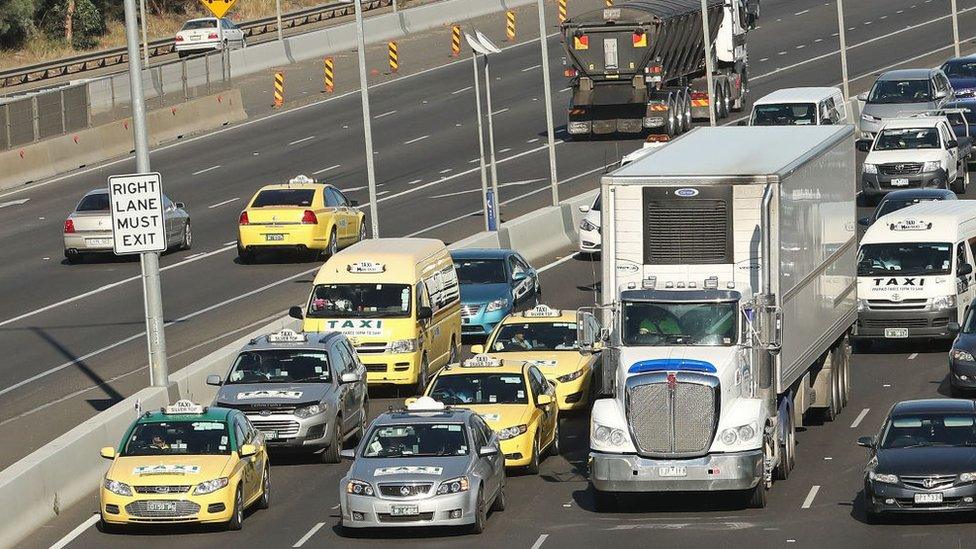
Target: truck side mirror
(296, 312)
(964, 269)
(952, 144)
(424, 313)
(587, 331)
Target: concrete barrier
(78, 149)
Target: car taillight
(69, 226)
(179, 38)
(243, 219)
(698, 96)
(308, 218)
(212, 36)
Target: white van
(915, 271)
(801, 107)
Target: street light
(842, 34)
(367, 126)
(547, 88)
(955, 27)
(483, 46)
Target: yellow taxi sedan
(546, 337)
(301, 215)
(186, 463)
(514, 399)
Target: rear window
(284, 197)
(202, 24)
(94, 203)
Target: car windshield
(960, 69)
(414, 440)
(280, 366)
(787, 114)
(930, 429)
(200, 24)
(360, 301)
(480, 271)
(908, 259)
(96, 202)
(598, 203)
(480, 389)
(284, 197)
(196, 437)
(907, 138)
(969, 325)
(900, 91)
(663, 324)
(535, 336)
(891, 205)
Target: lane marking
(302, 140)
(530, 141)
(446, 170)
(323, 170)
(15, 202)
(421, 138)
(63, 542)
(415, 181)
(813, 493)
(384, 114)
(505, 150)
(860, 417)
(564, 90)
(801, 12)
(556, 263)
(219, 204)
(231, 243)
(913, 356)
(538, 543)
(309, 534)
(478, 190)
(532, 68)
(211, 168)
(499, 111)
(462, 90)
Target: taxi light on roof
(301, 180)
(184, 407)
(366, 267)
(541, 311)
(910, 225)
(287, 336)
(425, 404)
(482, 361)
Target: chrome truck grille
(672, 414)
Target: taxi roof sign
(482, 361)
(910, 225)
(287, 336)
(301, 180)
(218, 7)
(542, 311)
(425, 404)
(184, 406)
(366, 267)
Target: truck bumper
(713, 472)
(923, 324)
(874, 184)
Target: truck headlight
(944, 302)
(210, 486)
(965, 356)
(880, 477)
(359, 488)
(734, 435)
(403, 346)
(932, 166)
(571, 377)
(608, 435)
(497, 305)
(586, 225)
(512, 432)
(118, 488)
(308, 411)
(453, 486)
(870, 168)
(862, 305)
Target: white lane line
(818, 40)
(309, 534)
(564, 90)
(532, 68)
(421, 138)
(801, 46)
(913, 356)
(336, 506)
(462, 90)
(15, 202)
(809, 501)
(538, 543)
(478, 190)
(764, 59)
(801, 12)
(530, 141)
(302, 140)
(381, 193)
(231, 243)
(499, 111)
(195, 255)
(323, 170)
(219, 204)
(63, 542)
(446, 170)
(384, 114)
(211, 168)
(556, 263)
(860, 418)
(782, 53)
(415, 181)
(505, 150)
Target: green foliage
(87, 22)
(16, 22)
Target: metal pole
(367, 127)
(547, 87)
(955, 27)
(158, 368)
(481, 138)
(145, 40)
(707, 43)
(394, 6)
(278, 14)
(491, 139)
(842, 33)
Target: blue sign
(492, 215)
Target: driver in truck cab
(657, 321)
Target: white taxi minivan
(812, 106)
(915, 272)
(398, 301)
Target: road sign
(137, 213)
(218, 7)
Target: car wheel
(265, 500)
(533, 467)
(873, 518)
(554, 446)
(333, 243)
(603, 501)
(757, 496)
(499, 504)
(236, 521)
(107, 528)
(73, 258)
(480, 514)
(361, 428)
(331, 453)
(187, 241)
(362, 230)
(455, 352)
(422, 375)
(244, 255)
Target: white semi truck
(728, 294)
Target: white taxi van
(398, 301)
(915, 272)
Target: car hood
(909, 155)
(501, 416)
(593, 216)
(939, 460)
(271, 393)
(384, 470)
(171, 470)
(476, 294)
(962, 84)
(550, 363)
(966, 342)
(895, 110)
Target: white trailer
(729, 291)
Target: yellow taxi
(546, 337)
(515, 400)
(300, 215)
(186, 463)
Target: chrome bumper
(713, 472)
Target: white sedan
(208, 34)
(589, 229)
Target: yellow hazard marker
(608, 3)
(510, 26)
(394, 57)
(455, 40)
(329, 75)
(279, 89)
(562, 10)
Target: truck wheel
(727, 96)
(757, 496)
(422, 375)
(833, 408)
(787, 452)
(686, 112)
(845, 379)
(603, 502)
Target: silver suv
(897, 94)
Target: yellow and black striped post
(279, 89)
(455, 40)
(510, 25)
(329, 75)
(608, 3)
(394, 57)
(562, 10)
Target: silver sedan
(88, 229)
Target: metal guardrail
(164, 46)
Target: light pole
(547, 87)
(490, 47)
(152, 296)
(955, 27)
(707, 42)
(145, 40)
(480, 45)
(489, 219)
(278, 15)
(842, 33)
(367, 127)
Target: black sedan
(962, 364)
(923, 459)
(896, 200)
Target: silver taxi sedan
(427, 465)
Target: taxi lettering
(894, 281)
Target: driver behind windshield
(281, 366)
(417, 440)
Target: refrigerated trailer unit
(728, 294)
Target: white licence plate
(274, 237)
(672, 471)
(195, 37)
(98, 241)
(899, 182)
(404, 510)
(928, 498)
(896, 333)
(171, 505)
(270, 435)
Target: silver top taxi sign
(366, 267)
(287, 336)
(541, 311)
(482, 361)
(301, 180)
(184, 407)
(910, 225)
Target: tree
(16, 22)
(77, 22)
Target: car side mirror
(954, 327)
(488, 451)
(964, 269)
(296, 312)
(543, 400)
(349, 377)
(519, 276)
(348, 453)
(248, 450)
(863, 96)
(939, 94)
(108, 452)
(477, 349)
(213, 379)
(354, 203)
(867, 442)
(952, 144)
(424, 313)
(864, 222)
(584, 208)
(863, 145)
(180, 205)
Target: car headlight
(571, 376)
(211, 486)
(308, 411)
(869, 118)
(932, 166)
(497, 305)
(870, 168)
(403, 346)
(965, 356)
(512, 432)
(118, 488)
(862, 305)
(586, 225)
(967, 477)
(880, 477)
(608, 435)
(944, 302)
(453, 486)
(359, 488)
(734, 435)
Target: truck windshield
(786, 114)
(908, 259)
(360, 300)
(907, 138)
(900, 91)
(280, 366)
(664, 324)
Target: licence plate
(171, 505)
(404, 510)
(896, 333)
(928, 498)
(274, 237)
(899, 182)
(98, 241)
(672, 471)
(195, 37)
(270, 435)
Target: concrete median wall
(79, 149)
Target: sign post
(137, 213)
